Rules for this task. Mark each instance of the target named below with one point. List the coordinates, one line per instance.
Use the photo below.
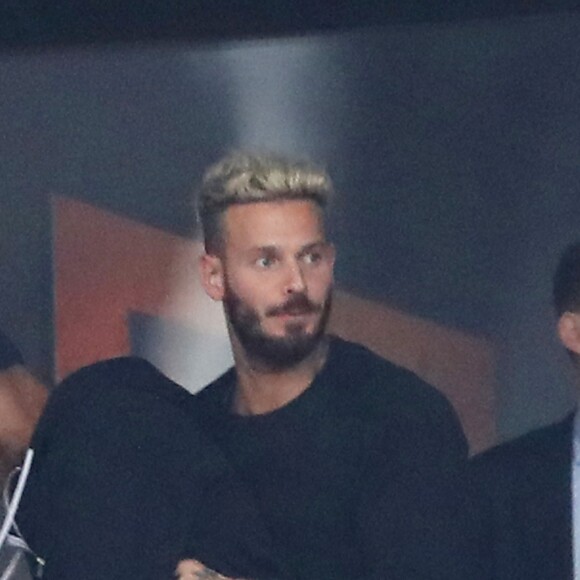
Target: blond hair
(242, 178)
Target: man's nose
(295, 281)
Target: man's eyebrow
(274, 249)
(271, 249)
(319, 244)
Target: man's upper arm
(415, 518)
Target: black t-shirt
(356, 477)
(303, 468)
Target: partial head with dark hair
(10, 356)
(566, 287)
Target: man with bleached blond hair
(355, 465)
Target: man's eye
(312, 257)
(265, 262)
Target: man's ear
(212, 276)
(569, 331)
(332, 250)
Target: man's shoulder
(532, 453)
(118, 368)
(392, 400)
(106, 395)
(111, 377)
(402, 413)
(380, 383)
(123, 409)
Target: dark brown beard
(276, 353)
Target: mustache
(296, 304)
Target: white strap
(15, 501)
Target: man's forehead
(274, 219)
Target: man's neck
(260, 390)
